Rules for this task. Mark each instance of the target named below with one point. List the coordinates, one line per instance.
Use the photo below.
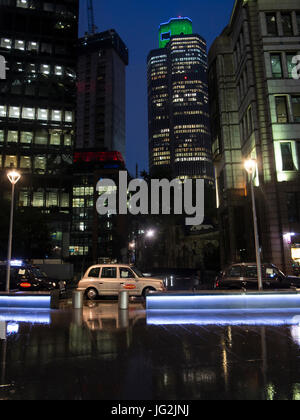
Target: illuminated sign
(296, 253)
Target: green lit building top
(175, 26)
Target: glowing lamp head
(150, 233)
(13, 176)
(250, 166)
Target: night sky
(137, 23)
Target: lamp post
(250, 166)
(13, 177)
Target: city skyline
(208, 20)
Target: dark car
(26, 277)
(244, 277)
(177, 279)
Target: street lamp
(250, 166)
(13, 177)
(150, 234)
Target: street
(101, 353)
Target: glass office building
(37, 104)
(179, 130)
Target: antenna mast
(91, 18)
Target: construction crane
(91, 18)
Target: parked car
(26, 277)
(244, 276)
(109, 280)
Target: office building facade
(101, 113)
(255, 113)
(179, 131)
(37, 106)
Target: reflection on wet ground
(102, 353)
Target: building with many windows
(255, 113)
(179, 131)
(37, 104)
(101, 114)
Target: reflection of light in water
(12, 329)
(225, 318)
(296, 392)
(271, 392)
(295, 330)
(19, 315)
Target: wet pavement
(101, 353)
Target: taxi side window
(235, 272)
(109, 273)
(125, 273)
(251, 272)
(95, 272)
(271, 273)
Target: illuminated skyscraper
(179, 132)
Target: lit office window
(28, 113)
(1, 136)
(56, 115)
(40, 164)
(2, 111)
(12, 136)
(11, 162)
(38, 199)
(69, 116)
(25, 162)
(33, 46)
(23, 3)
(58, 70)
(43, 114)
(6, 43)
(67, 140)
(55, 139)
(64, 200)
(24, 199)
(45, 69)
(52, 199)
(26, 137)
(20, 45)
(14, 112)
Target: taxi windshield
(137, 272)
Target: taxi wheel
(146, 291)
(91, 294)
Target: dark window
(271, 20)
(298, 21)
(281, 109)
(293, 207)
(95, 272)
(235, 272)
(287, 25)
(165, 36)
(287, 157)
(109, 273)
(276, 64)
(125, 273)
(296, 108)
